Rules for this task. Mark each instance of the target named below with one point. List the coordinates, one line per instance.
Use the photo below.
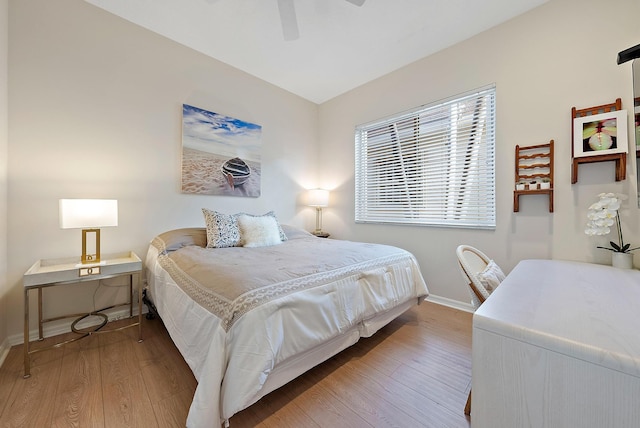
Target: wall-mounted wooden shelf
(534, 163)
(619, 158)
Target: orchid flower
(602, 215)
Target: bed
(248, 319)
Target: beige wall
(4, 106)
(560, 55)
(96, 110)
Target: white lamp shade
(318, 198)
(88, 213)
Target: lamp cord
(101, 283)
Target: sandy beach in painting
(201, 174)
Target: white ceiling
(341, 46)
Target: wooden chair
(472, 263)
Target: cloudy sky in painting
(215, 133)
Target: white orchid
(602, 215)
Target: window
(433, 165)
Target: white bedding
(275, 341)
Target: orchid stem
(619, 230)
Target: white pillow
(283, 236)
(258, 231)
(491, 276)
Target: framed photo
(600, 134)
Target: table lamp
(88, 215)
(318, 198)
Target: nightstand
(54, 272)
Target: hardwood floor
(415, 372)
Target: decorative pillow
(258, 231)
(283, 236)
(491, 276)
(222, 229)
(293, 232)
(175, 239)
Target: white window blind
(434, 165)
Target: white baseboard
(64, 326)
(4, 350)
(455, 304)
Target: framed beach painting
(220, 154)
(600, 134)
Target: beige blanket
(229, 282)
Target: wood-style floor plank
(10, 373)
(415, 372)
(320, 403)
(278, 411)
(172, 411)
(77, 402)
(31, 401)
(126, 398)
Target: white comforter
(232, 364)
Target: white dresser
(558, 345)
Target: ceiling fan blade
(357, 2)
(288, 19)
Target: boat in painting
(236, 171)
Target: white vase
(622, 260)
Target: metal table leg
(27, 361)
(139, 309)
